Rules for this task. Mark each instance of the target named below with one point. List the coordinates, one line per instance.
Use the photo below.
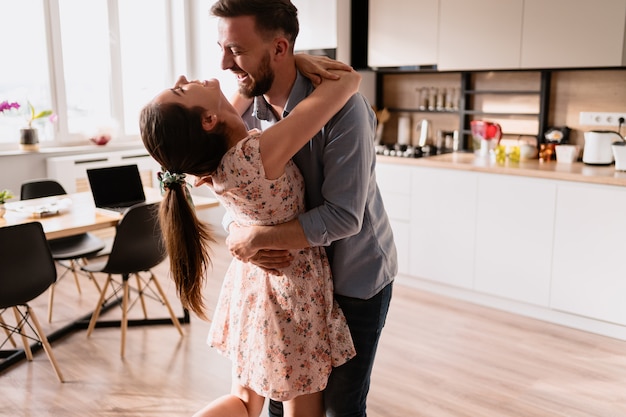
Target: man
(346, 213)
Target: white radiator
(71, 171)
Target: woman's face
(205, 94)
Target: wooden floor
(438, 357)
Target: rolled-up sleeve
(336, 211)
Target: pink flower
(32, 114)
(5, 105)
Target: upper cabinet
(562, 33)
(479, 34)
(458, 35)
(402, 32)
(318, 24)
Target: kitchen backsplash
(571, 92)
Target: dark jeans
(348, 385)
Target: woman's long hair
(174, 137)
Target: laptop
(116, 188)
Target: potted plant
(29, 138)
(4, 196)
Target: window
(95, 63)
(24, 71)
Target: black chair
(27, 270)
(137, 248)
(67, 251)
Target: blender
(486, 136)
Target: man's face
(246, 54)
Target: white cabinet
(514, 226)
(402, 32)
(480, 34)
(589, 270)
(507, 34)
(394, 182)
(562, 33)
(443, 204)
(318, 24)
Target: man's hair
(271, 16)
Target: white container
(404, 130)
(566, 153)
(598, 143)
(619, 153)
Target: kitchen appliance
(598, 147)
(404, 130)
(557, 135)
(424, 133)
(486, 135)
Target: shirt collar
(301, 88)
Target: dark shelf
(401, 110)
(504, 92)
(496, 114)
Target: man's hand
(271, 260)
(241, 245)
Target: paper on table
(41, 207)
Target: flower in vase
(44, 113)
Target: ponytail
(187, 241)
(175, 138)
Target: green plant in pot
(29, 138)
(4, 196)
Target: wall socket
(601, 119)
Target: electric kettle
(598, 147)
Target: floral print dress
(283, 333)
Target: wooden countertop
(579, 172)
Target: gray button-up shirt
(345, 211)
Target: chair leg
(141, 299)
(167, 303)
(7, 332)
(74, 267)
(96, 313)
(50, 301)
(93, 279)
(19, 325)
(124, 315)
(44, 341)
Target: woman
(283, 331)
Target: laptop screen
(118, 186)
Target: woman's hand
(316, 67)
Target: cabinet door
(318, 24)
(443, 205)
(402, 32)
(562, 33)
(396, 196)
(514, 230)
(589, 270)
(479, 34)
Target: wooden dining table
(77, 212)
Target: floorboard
(438, 357)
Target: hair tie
(167, 179)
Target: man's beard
(261, 83)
